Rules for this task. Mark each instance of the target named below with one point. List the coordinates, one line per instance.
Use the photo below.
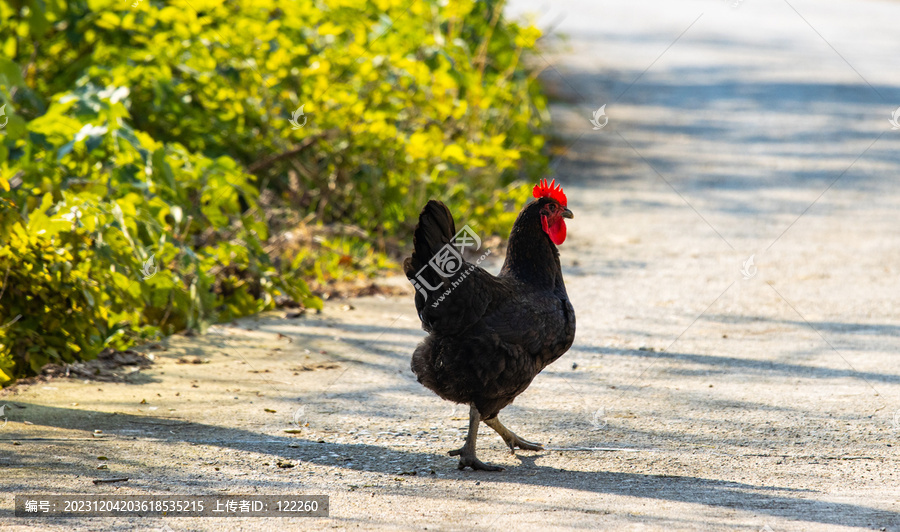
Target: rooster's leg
(466, 454)
(512, 441)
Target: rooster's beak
(567, 214)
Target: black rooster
(490, 336)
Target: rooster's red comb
(542, 190)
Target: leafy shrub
(150, 135)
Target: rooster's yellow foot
(512, 441)
(467, 458)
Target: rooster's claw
(512, 441)
(469, 460)
(525, 445)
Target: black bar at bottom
(169, 505)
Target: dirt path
(705, 400)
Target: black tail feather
(435, 229)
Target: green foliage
(148, 135)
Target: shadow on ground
(770, 500)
